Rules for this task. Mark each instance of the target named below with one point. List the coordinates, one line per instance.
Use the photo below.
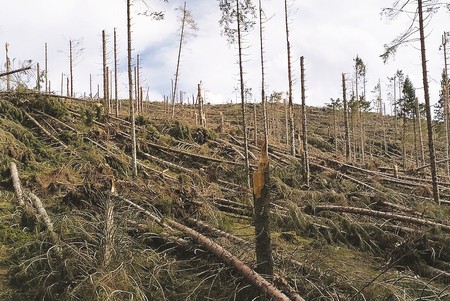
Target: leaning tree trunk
(8, 68)
(428, 106)
(175, 85)
(130, 93)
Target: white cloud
(329, 34)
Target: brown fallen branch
(249, 274)
(14, 71)
(380, 214)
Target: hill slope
(356, 233)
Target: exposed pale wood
(16, 183)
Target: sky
(329, 34)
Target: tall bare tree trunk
(304, 125)
(68, 87)
(179, 56)
(346, 128)
(428, 106)
(38, 78)
(130, 92)
(446, 106)
(71, 68)
(105, 76)
(261, 184)
(286, 122)
(115, 75)
(47, 90)
(291, 105)
(8, 68)
(241, 79)
(138, 85)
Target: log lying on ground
(248, 246)
(37, 208)
(374, 213)
(16, 183)
(249, 274)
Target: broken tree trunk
(15, 71)
(250, 275)
(261, 196)
(16, 183)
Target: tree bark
(250, 275)
(346, 128)
(242, 88)
(290, 102)
(304, 125)
(115, 75)
(47, 90)
(428, 105)
(180, 45)
(8, 68)
(71, 68)
(130, 92)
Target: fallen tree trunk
(16, 183)
(44, 130)
(374, 213)
(249, 274)
(15, 71)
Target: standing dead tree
(305, 157)
(106, 102)
(115, 75)
(188, 25)
(290, 98)
(242, 12)
(346, 127)
(431, 6)
(47, 88)
(261, 184)
(130, 92)
(8, 68)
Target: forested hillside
(183, 228)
